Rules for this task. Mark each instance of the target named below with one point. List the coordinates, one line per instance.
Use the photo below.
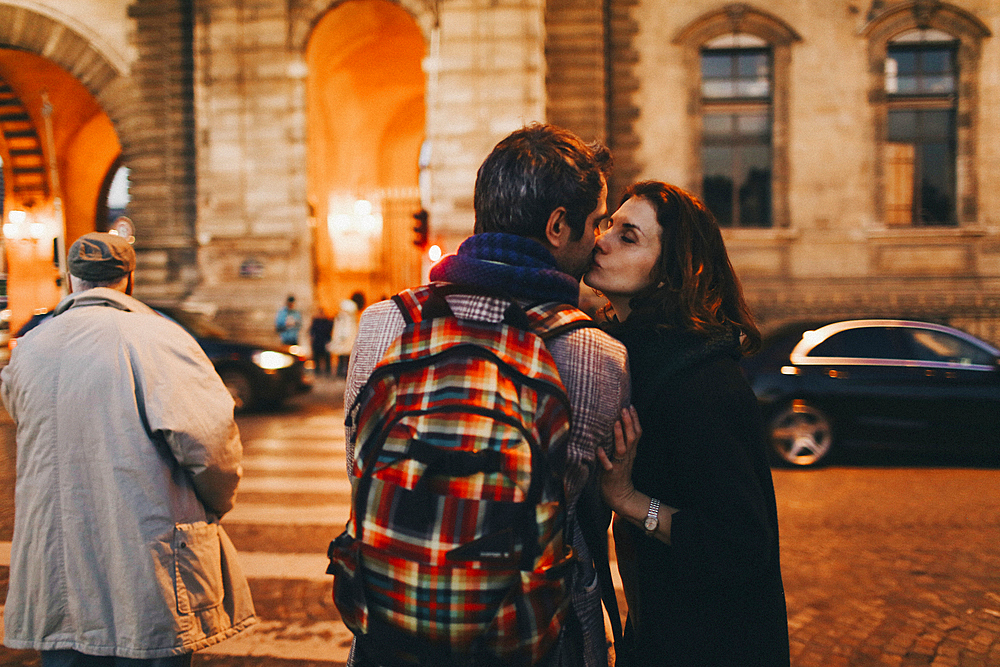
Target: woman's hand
(616, 479)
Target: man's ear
(557, 231)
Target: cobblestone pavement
(892, 565)
(886, 560)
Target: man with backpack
(474, 409)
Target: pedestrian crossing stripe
(274, 484)
(257, 564)
(313, 642)
(330, 445)
(301, 567)
(275, 514)
(333, 463)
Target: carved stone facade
(830, 251)
(210, 104)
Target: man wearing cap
(127, 455)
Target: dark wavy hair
(532, 172)
(695, 286)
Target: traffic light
(420, 229)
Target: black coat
(715, 595)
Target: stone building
(283, 146)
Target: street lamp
(15, 227)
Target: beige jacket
(127, 455)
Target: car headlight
(270, 360)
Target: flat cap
(100, 257)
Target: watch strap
(652, 516)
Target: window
(739, 61)
(924, 59)
(920, 84)
(890, 343)
(929, 345)
(862, 343)
(736, 73)
(118, 194)
(736, 152)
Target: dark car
(888, 383)
(255, 375)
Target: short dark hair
(532, 172)
(696, 287)
(359, 299)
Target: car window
(929, 345)
(862, 343)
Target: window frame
(736, 106)
(968, 33)
(920, 102)
(736, 19)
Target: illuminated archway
(57, 147)
(366, 108)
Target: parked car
(255, 375)
(886, 383)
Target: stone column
(253, 235)
(486, 78)
(160, 152)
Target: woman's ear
(557, 230)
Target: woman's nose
(599, 244)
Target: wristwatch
(653, 516)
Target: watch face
(650, 523)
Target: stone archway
(151, 110)
(307, 16)
(366, 116)
(57, 143)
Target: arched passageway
(58, 147)
(366, 111)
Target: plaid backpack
(455, 553)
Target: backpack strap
(549, 320)
(421, 303)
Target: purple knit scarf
(509, 264)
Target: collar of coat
(656, 352)
(102, 296)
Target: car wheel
(801, 434)
(239, 388)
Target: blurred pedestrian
(696, 525)
(127, 456)
(345, 330)
(320, 333)
(288, 321)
